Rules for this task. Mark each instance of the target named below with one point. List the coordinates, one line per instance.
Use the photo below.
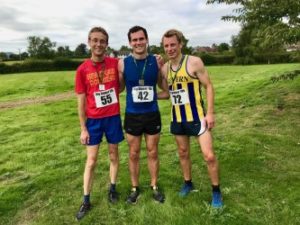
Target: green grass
(29, 85)
(256, 139)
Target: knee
(114, 156)
(183, 152)
(210, 158)
(134, 155)
(153, 154)
(91, 163)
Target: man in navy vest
(139, 73)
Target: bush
(210, 59)
(280, 57)
(244, 60)
(36, 65)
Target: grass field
(257, 140)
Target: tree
(124, 51)
(24, 55)
(81, 50)
(34, 43)
(223, 47)
(185, 49)
(111, 51)
(242, 46)
(124, 48)
(14, 56)
(64, 51)
(277, 22)
(156, 49)
(3, 56)
(40, 47)
(60, 51)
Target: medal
(101, 87)
(141, 77)
(141, 82)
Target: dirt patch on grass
(37, 100)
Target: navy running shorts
(137, 124)
(195, 128)
(110, 126)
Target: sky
(67, 22)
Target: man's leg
(91, 161)
(113, 172)
(205, 141)
(153, 164)
(134, 143)
(183, 145)
(152, 154)
(114, 162)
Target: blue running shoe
(216, 201)
(186, 189)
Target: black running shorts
(137, 124)
(195, 128)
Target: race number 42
(142, 94)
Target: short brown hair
(99, 29)
(136, 29)
(171, 33)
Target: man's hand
(84, 137)
(159, 60)
(210, 120)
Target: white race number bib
(105, 98)
(179, 97)
(142, 94)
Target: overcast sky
(67, 22)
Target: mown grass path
(36, 100)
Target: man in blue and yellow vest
(185, 76)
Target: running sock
(112, 187)
(216, 188)
(188, 182)
(154, 187)
(136, 188)
(86, 199)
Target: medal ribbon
(144, 68)
(101, 74)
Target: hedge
(279, 57)
(210, 59)
(58, 64)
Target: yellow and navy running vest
(181, 79)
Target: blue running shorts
(195, 128)
(110, 126)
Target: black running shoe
(158, 196)
(84, 208)
(133, 197)
(113, 196)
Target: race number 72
(179, 97)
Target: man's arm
(121, 74)
(163, 83)
(84, 135)
(159, 61)
(202, 74)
